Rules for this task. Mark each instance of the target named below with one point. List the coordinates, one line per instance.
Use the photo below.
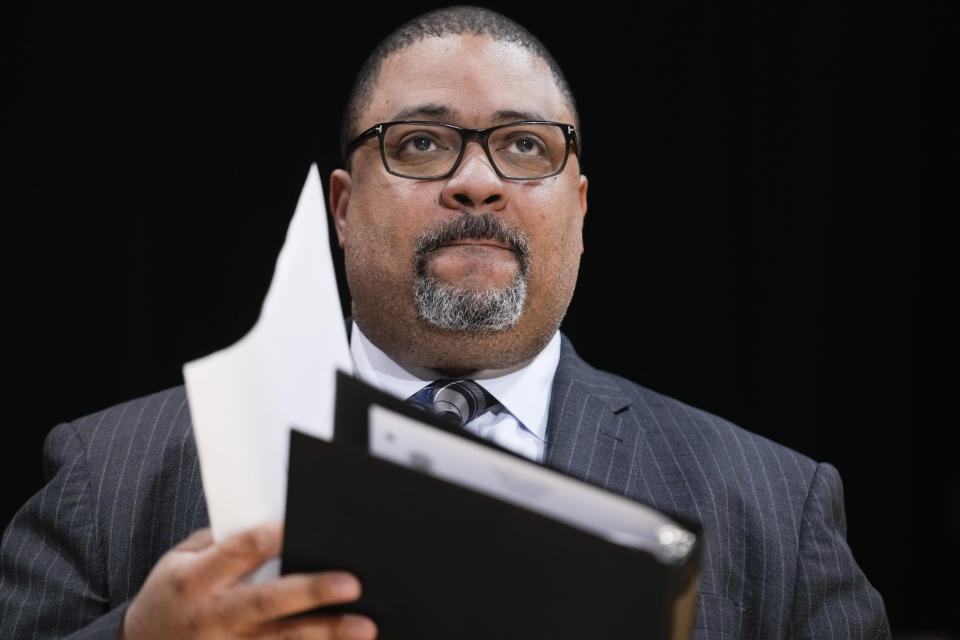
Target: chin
(470, 311)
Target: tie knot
(459, 401)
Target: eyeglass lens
(519, 151)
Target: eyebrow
(442, 113)
(517, 116)
(431, 111)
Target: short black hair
(440, 23)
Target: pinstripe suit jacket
(124, 486)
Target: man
(462, 242)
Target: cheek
(559, 226)
(385, 219)
(557, 246)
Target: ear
(582, 189)
(340, 185)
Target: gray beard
(459, 309)
(449, 307)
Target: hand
(196, 590)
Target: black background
(770, 192)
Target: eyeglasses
(433, 150)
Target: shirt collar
(524, 391)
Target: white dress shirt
(518, 423)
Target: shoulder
(690, 437)
(132, 428)
(123, 486)
(137, 462)
(769, 515)
(143, 481)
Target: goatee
(463, 309)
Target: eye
(419, 143)
(525, 144)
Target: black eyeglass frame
(483, 135)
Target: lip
(470, 242)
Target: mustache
(473, 227)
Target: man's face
(474, 82)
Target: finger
(255, 604)
(343, 627)
(228, 561)
(199, 539)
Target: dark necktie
(455, 401)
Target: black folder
(440, 560)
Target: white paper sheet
(244, 399)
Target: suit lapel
(591, 434)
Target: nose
(475, 184)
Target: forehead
(469, 80)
